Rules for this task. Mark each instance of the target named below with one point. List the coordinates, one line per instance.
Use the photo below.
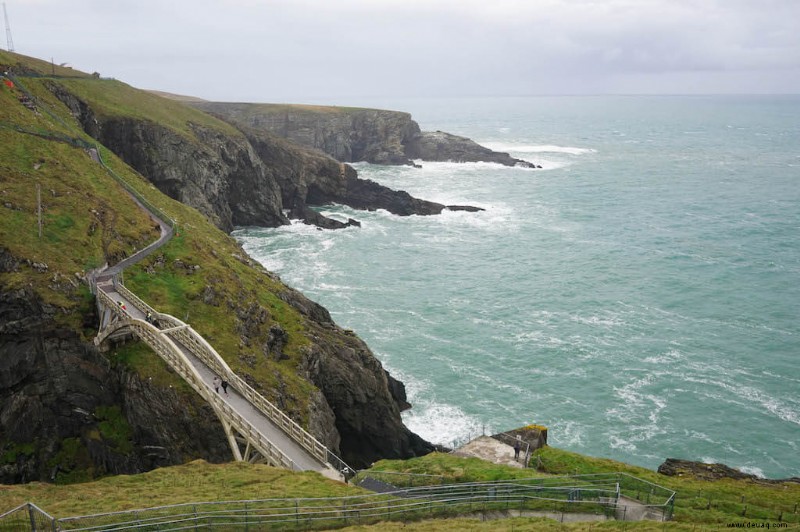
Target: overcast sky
(313, 50)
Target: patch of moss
(114, 428)
(13, 450)
(73, 462)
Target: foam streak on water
(639, 295)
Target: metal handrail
(460, 498)
(167, 350)
(209, 356)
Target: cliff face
(220, 175)
(66, 413)
(249, 179)
(364, 399)
(347, 135)
(350, 135)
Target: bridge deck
(297, 453)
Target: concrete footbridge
(257, 430)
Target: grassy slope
(85, 215)
(224, 267)
(698, 502)
(193, 482)
(114, 98)
(199, 481)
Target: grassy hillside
(114, 98)
(202, 274)
(700, 504)
(697, 502)
(193, 482)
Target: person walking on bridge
(225, 386)
(216, 384)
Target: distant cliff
(239, 178)
(353, 134)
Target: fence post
(32, 517)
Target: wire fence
(406, 505)
(26, 517)
(589, 496)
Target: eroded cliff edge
(351, 134)
(243, 177)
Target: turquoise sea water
(639, 295)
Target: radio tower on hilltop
(9, 40)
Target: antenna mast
(9, 40)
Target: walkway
(302, 459)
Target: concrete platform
(491, 450)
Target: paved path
(491, 450)
(297, 453)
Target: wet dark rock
(52, 387)
(675, 467)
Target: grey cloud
(291, 50)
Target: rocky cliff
(239, 179)
(67, 413)
(218, 174)
(354, 134)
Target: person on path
(149, 317)
(516, 450)
(216, 384)
(225, 386)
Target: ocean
(639, 295)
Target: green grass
(196, 481)
(114, 428)
(202, 482)
(697, 501)
(85, 215)
(114, 98)
(33, 63)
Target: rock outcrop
(441, 146)
(675, 467)
(68, 413)
(352, 134)
(365, 400)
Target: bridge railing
(199, 347)
(167, 350)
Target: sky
(328, 50)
